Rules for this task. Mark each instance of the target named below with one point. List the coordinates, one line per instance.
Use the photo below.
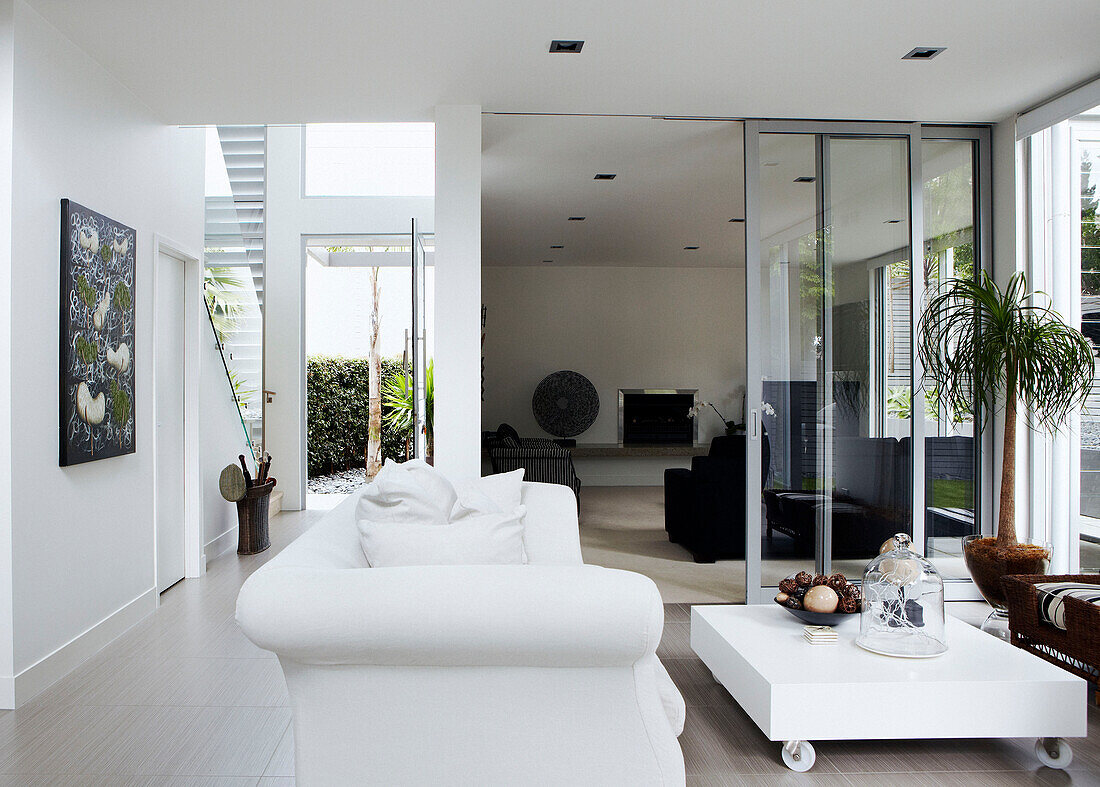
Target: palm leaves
(979, 343)
(228, 298)
(398, 396)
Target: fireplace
(656, 415)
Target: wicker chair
(1077, 648)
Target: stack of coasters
(820, 635)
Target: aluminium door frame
(755, 593)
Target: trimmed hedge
(337, 413)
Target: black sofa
(705, 506)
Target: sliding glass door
(842, 431)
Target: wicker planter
(252, 536)
(987, 564)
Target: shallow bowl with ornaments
(821, 618)
(818, 600)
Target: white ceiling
(275, 61)
(678, 183)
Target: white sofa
(545, 673)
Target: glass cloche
(902, 612)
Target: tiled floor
(185, 699)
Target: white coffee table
(796, 692)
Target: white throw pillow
(434, 483)
(473, 540)
(411, 492)
(497, 492)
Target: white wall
(621, 328)
(289, 216)
(82, 536)
(458, 287)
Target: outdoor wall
(81, 537)
(622, 328)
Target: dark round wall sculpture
(565, 403)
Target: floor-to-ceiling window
(1062, 188)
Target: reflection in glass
(835, 290)
(1088, 172)
(951, 456)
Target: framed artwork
(97, 336)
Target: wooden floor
(185, 699)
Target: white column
(284, 283)
(458, 290)
(7, 67)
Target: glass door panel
(830, 347)
(951, 450)
(419, 365)
(789, 326)
(867, 429)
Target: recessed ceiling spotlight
(568, 47)
(577, 218)
(893, 221)
(557, 247)
(691, 248)
(805, 179)
(604, 176)
(923, 53)
(738, 221)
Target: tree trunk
(1006, 520)
(374, 383)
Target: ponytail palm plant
(1004, 350)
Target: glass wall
(233, 259)
(854, 446)
(835, 339)
(951, 454)
(369, 160)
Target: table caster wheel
(1054, 752)
(799, 755)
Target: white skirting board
(16, 691)
(226, 542)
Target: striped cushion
(1051, 604)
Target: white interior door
(169, 421)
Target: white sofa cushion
(412, 492)
(476, 539)
(497, 492)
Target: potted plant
(1001, 349)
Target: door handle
(754, 425)
(269, 396)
